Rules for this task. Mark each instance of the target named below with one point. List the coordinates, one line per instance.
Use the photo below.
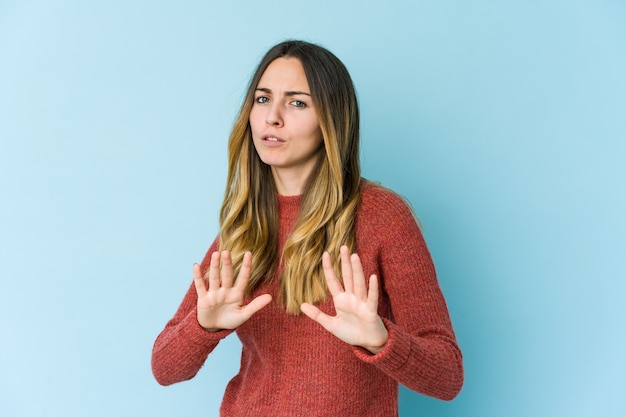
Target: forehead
(285, 74)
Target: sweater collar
(289, 205)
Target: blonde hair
(249, 213)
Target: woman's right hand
(220, 305)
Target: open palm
(357, 321)
(220, 306)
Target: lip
(265, 140)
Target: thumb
(255, 305)
(316, 314)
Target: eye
(262, 99)
(298, 103)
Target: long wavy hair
(249, 213)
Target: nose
(274, 116)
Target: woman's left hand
(357, 321)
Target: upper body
(300, 233)
(291, 366)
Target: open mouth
(271, 140)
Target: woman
(295, 214)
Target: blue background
(503, 122)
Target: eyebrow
(287, 93)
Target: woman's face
(284, 123)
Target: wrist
(205, 328)
(210, 330)
(377, 347)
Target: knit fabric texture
(291, 366)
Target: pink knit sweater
(291, 366)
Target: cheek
(315, 134)
(311, 129)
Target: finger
(227, 270)
(255, 305)
(244, 271)
(317, 315)
(214, 271)
(346, 269)
(198, 281)
(372, 294)
(310, 310)
(329, 272)
(358, 277)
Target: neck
(290, 181)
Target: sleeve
(422, 352)
(183, 345)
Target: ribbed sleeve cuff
(395, 353)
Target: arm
(182, 347)
(209, 312)
(422, 352)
